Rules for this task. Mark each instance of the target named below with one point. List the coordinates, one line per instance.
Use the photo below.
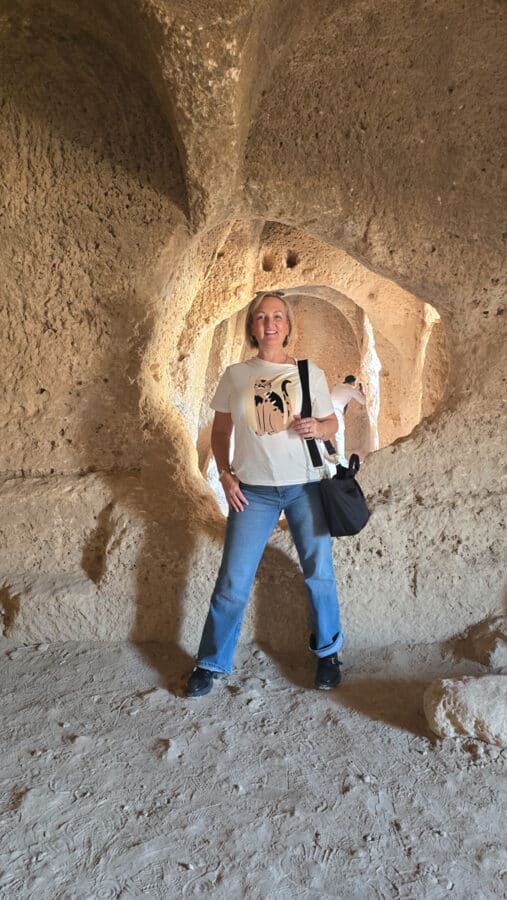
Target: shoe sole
(203, 692)
(206, 691)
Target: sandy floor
(113, 785)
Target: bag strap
(306, 411)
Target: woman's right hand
(233, 494)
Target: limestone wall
(162, 161)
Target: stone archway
(357, 321)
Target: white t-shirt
(343, 394)
(262, 398)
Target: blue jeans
(246, 536)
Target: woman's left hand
(307, 428)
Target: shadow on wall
(111, 180)
(94, 557)
(110, 175)
(99, 105)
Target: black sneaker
(328, 672)
(200, 682)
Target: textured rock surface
(486, 643)
(474, 707)
(115, 787)
(162, 160)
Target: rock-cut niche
(347, 319)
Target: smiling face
(270, 325)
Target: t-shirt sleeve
(221, 401)
(322, 405)
(359, 397)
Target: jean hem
(202, 664)
(334, 647)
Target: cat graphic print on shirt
(270, 403)
(262, 399)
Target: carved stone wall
(160, 162)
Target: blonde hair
(253, 306)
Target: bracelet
(225, 471)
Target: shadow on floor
(397, 702)
(171, 662)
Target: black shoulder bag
(342, 498)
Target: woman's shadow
(282, 629)
(281, 621)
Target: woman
(271, 472)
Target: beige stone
(486, 642)
(468, 706)
(160, 162)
